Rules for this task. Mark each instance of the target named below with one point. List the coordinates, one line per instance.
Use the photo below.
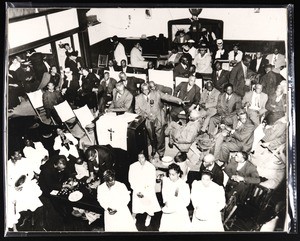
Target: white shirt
(189, 87)
(255, 102)
(219, 73)
(193, 52)
(258, 61)
(278, 98)
(228, 97)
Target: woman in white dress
(176, 197)
(208, 199)
(142, 179)
(203, 61)
(114, 197)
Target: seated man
(188, 92)
(122, 99)
(237, 135)
(105, 91)
(124, 67)
(183, 136)
(228, 104)
(149, 105)
(255, 103)
(136, 58)
(131, 83)
(220, 77)
(241, 173)
(181, 69)
(208, 103)
(208, 163)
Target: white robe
(207, 202)
(117, 197)
(120, 54)
(175, 215)
(62, 149)
(142, 178)
(35, 155)
(136, 58)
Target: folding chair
(102, 60)
(65, 113)
(162, 77)
(36, 100)
(85, 118)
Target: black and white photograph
(154, 120)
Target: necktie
(147, 98)
(257, 101)
(227, 99)
(118, 96)
(275, 58)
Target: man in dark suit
(187, 91)
(236, 135)
(258, 64)
(105, 90)
(220, 77)
(270, 81)
(241, 76)
(181, 69)
(241, 173)
(130, 83)
(122, 99)
(70, 86)
(111, 66)
(208, 163)
(124, 67)
(228, 104)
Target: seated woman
(208, 199)
(181, 160)
(203, 61)
(176, 198)
(114, 197)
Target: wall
(239, 24)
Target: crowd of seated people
(227, 111)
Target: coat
(269, 82)
(106, 89)
(210, 100)
(179, 71)
(261, 68)
(233, 105)
(218, 176)
(132, 85)
(142, 178)
(248, 171)
(136, 58)
(221, 81)
(237, 79)
(124, 103)
(193, 95)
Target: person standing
(114, 197)
(142, 179)
(119, 50)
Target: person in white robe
(208, 199)
(23, 190)
(119, 50)
(136, 58)
(114, 197)
(142, 179)
(176, 198)
(66, 144)
(36, 153)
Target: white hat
(191, 41)
(219, 41)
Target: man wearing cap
(149, 105)
(235, 56)
(184, 135)
(105, 91)
(186, 91)
(277, 60)
(122, 99)
(208, 103)
(220, 53)
(119, 50)
(203, 61)
(220, 77)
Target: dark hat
(120, 81)
(73, 53)
(203, 46)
